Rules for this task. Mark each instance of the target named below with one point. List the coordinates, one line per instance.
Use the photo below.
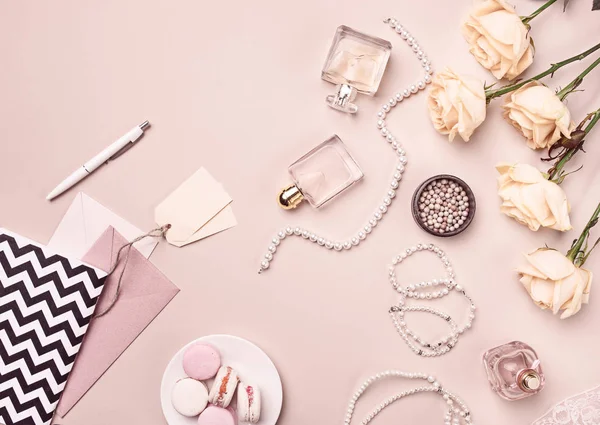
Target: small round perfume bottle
(320, 175)
(355, 64)
(514, 370)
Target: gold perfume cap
(290, 197)
(530, 380)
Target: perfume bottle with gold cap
(355, 64)
(514, 370)
(320, 175)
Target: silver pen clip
(120, 151)
(129, 145)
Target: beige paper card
(222, 221)
(191, 206)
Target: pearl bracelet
(457, 413)
(448, 284)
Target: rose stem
(527, 19)
(568, 89)
(573, 253)
(491, 94)
(572, 151)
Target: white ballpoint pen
(111, 152)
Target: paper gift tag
(222, 221)
(193, 204)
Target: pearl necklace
(362, 234)
(457, 411)
(414, 291)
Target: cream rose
(531, 199)
(538, 114)
(456, 104)
(553, 282)
(498, 39)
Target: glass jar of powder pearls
(443, 205)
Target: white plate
(251, 363)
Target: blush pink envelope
(145, 291)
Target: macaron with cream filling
(248, 403)
(223, 388)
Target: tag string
(159, 232)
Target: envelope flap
(85, 221)
(69, 238)
(100, 254)
(141, 278)
(96, 217)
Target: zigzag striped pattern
(46, 303)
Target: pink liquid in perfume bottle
(514, 370)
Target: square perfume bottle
(514, 370)
(355, 64)
(320, 175)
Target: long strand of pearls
(431, 291)
(365, 231)
(457, 413)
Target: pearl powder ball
(444, 206)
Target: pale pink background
(235, 86)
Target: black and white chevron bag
(46, 303)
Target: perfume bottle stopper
(529, 380)
(290, 197)
(343, 98)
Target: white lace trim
(581, 409)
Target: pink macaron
(214, 415)
(201, 361)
